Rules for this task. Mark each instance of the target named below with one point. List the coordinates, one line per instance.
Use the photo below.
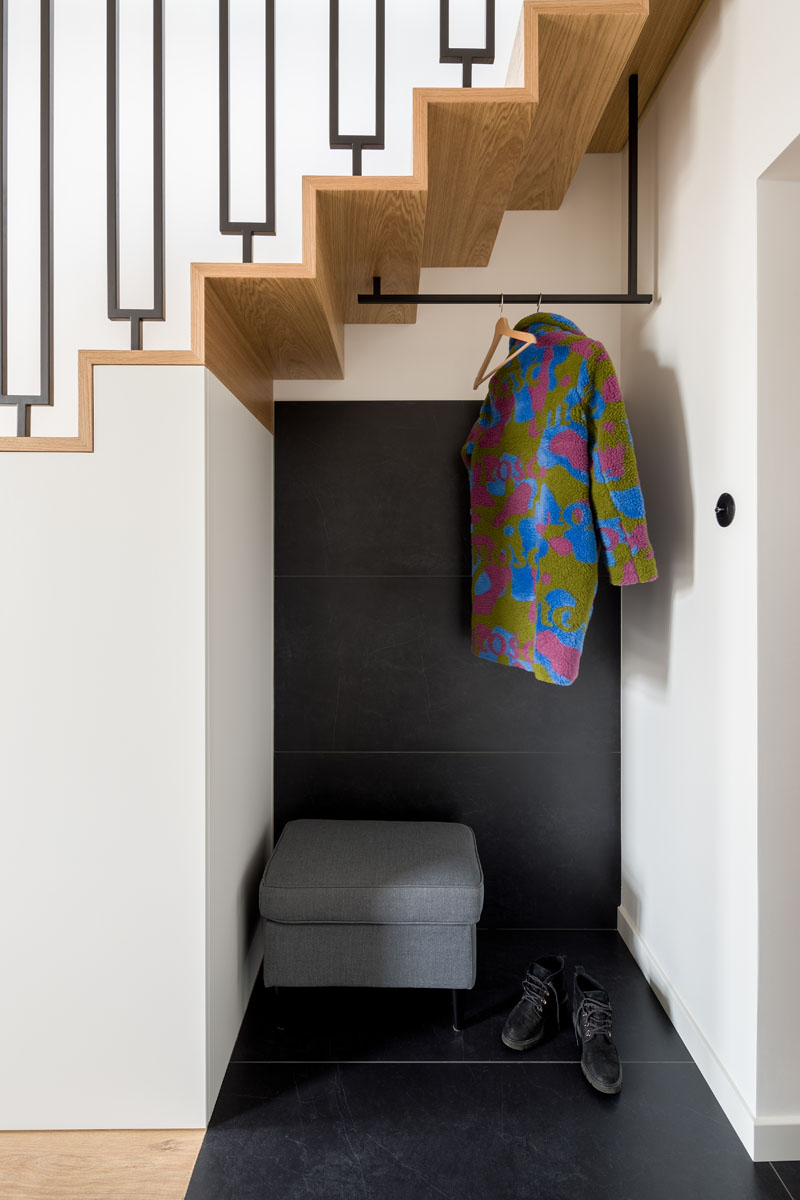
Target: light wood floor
(122, 1164)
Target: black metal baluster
(46, 212)
(4, 213)
(24, 403)
(115, 313)
(357, 141)
(466, 56)
(226, 225)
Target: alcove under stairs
(476, 154)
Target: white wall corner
(766, 1139)
(752, 1133)
(103, 792)
(239, 709)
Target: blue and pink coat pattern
(553, 488)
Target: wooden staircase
(477, 153)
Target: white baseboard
(776, 1139)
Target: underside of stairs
(476, 154)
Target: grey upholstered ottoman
(372, 904)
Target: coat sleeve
(616, 495)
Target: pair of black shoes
(544, 1009)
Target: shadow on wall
(631, 903)
(662, 455)
(669, 155)
(668, 158)
(249, 920)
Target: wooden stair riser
(477, 153)
(367, 231)
(581, 59)
(468, 147)
(472, 151)
(668, 26)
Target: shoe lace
(596, 1016)
(537, 991)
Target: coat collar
(543, 323)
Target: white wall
(690, 712)
(135, 711)
(136, 743)
(778, 1091)
(576, 249)
(102, 744)
(239, 583)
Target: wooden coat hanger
(502, 329)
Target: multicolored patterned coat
(552, 479)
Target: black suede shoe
(543, 1005)
(591, 1016)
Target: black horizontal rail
(376, 296)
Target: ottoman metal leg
(278, 1007)
(458, 1015)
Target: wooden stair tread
(284, 320)
(582, 57)
(471, 151)
(477, 153)
(670, 21)
(376, 228)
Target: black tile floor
(370, 1094)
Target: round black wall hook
(726, 509)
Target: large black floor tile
(372, 489)
(547, 825)
(386, 664)
(790, 1174)
(642, 1030)
(471, 1132)
(349, 1025)
(394, 1025)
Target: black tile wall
(547, 825)
(382, 709)
(385, 664)
(372, 488)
